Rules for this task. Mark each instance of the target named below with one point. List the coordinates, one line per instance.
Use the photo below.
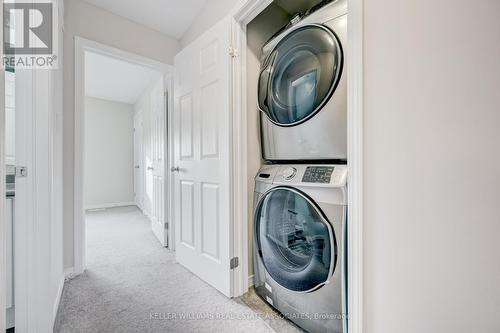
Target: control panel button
(289, 173)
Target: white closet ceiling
(171, 17)
(296, 6)
(116, 80)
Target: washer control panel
(318, 174)
(315, 175)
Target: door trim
(355, 149)
(169, 155)
(3, 238)
(81, 46)
(241, 15)
(138, 201)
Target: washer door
(294, 240)
(300, 75)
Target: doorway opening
(121, 147)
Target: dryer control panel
(315, 175)
(318, 174)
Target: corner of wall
(57, 301)
(211, 13)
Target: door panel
(158, 126)
(187, 212)
(202, 151)
(10, 118)
(210, 221)
(209, 137)
(186, 127)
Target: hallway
(132, 284)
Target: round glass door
(294, 240)
(300, 75)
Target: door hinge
(166, 225)
(233, 263)
(21, 171)
(233, 52)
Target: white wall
(432, 162)
(85, 20)
(109, 153)
(212, 12)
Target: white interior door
(138, 161)
(202, 153)
(10, 161)
(158, 126)
(33, 213)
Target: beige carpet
(133, 284)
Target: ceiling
(296, 6)
(172, 17)
(116, 80)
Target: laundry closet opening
(274, 20)
(296, 103)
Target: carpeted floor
(133, 284)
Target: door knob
(137, 167)
(150, 168)
(175, 169)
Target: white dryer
(300, 243)
(302, 89)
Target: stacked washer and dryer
(300, 199)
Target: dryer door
(300, 75)
(294, 240)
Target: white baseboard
(69, 273)
(146, 214)
(58, 298)
(10, 317)
(250, 281)
(110, 205)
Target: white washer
(302, 89)
(299, 243)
